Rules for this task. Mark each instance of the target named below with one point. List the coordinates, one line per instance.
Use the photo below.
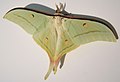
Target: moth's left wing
(29, 19)
(84, 29)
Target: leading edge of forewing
(39, 7)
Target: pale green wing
(40, 25)
(85, 31)
(47, 39)
(28, 19)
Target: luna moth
(59, 32)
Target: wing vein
(95, 31)
(45, 46)
(26, 20)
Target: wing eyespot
(33, 15)
(46, 39)
(66, 41)
(65, 20)
(84, 24)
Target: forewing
(92, 18)
(85, 31)
(29, 20)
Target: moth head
(60, 8)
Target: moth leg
(62, 61)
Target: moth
(58, 31)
